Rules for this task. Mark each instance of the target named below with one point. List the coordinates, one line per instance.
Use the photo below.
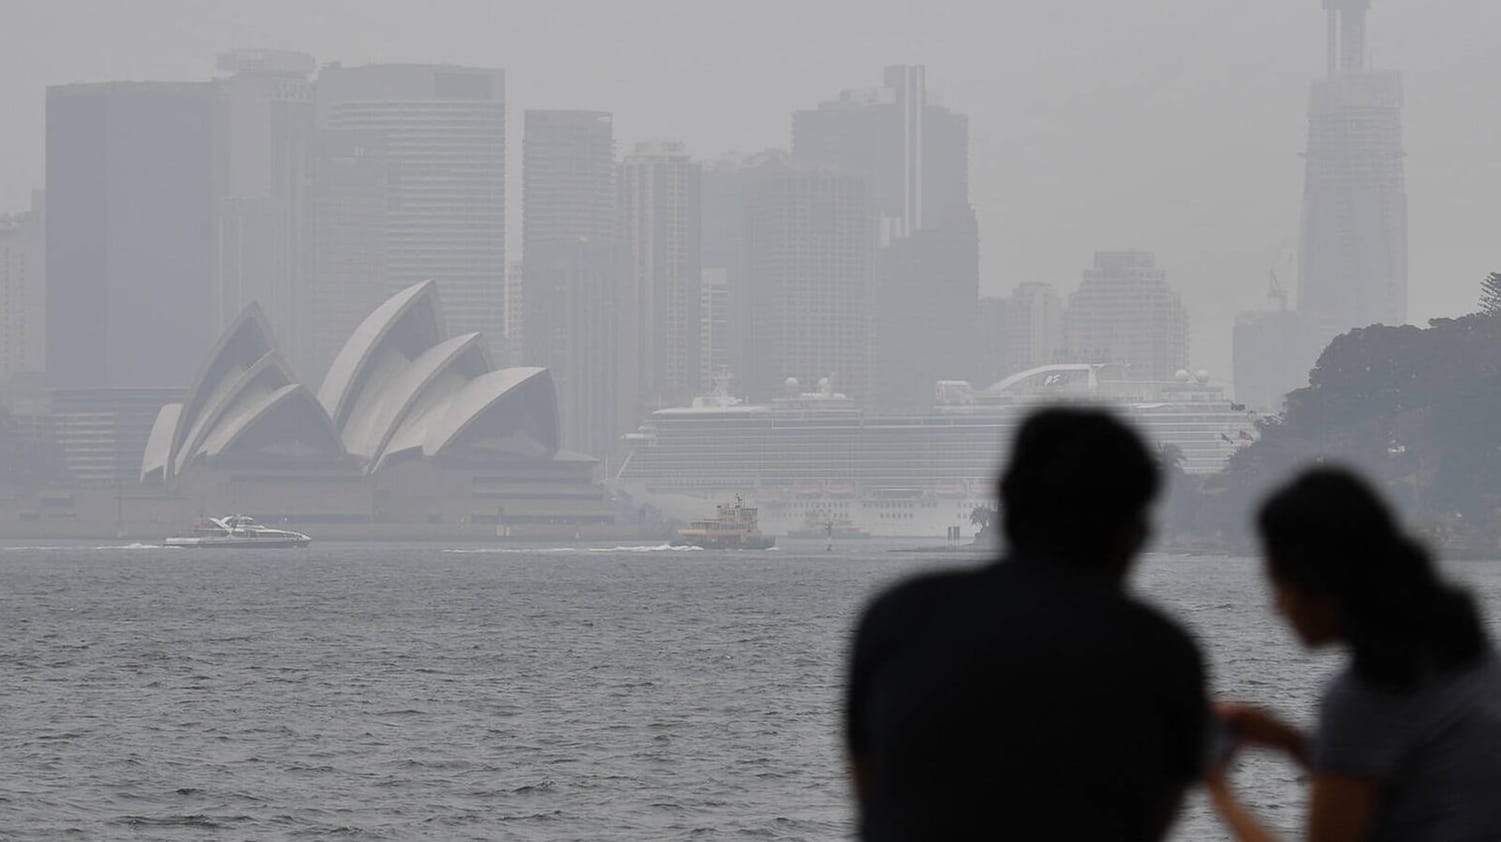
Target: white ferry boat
(238, 531)
(819, 455)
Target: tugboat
(238, 531)
(733, 527)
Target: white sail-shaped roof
(243, 343)
(288, 419)
(268, 374)
(511, 403)
(396, 388)
(380, 413)
(404, 326)
(159, 445)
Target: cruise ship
(817, 454)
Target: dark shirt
(1023, 700)
(1434, 750)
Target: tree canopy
(1417, 410)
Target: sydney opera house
(409, 426)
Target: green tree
(1417, 410)
(1490, 294)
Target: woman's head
(1343, 569)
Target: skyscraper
(659, 202)
(914, 155)
(579, 322)
(1021, 331)
(722, 211)
(443, 133)
(1353, 262)
(714, 334)
(264, 161)
(23, 291)
(1125, 314)
(349, 232)
(810, 248)
(130, 233)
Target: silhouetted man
(1033, 698)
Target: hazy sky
(1168, 125)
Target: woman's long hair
(1327, 532)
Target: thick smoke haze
(1173, 126)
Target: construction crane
(1276, 291)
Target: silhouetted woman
(1409, 734)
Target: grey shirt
(1435, 751)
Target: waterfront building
(264, 161)
(442, 130)
(410, 425)
(659, 204)
(130, 233)
(1125, 313)
(579, 321)
(810, 249)
(23, 291)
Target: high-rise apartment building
(714, 333)
(350, 227)
(659, 203)
(515, 314)
(1353, 262)
(264, 153)
(1021, 331)
(1034, 326)
(927, 288)
(914, 156)
(578, 320)
(130, 233)
(722, 212)
(1125, 314)
(443, 134)
(23, 291)
(810, 249)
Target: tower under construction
(1353, 261)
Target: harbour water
(566, 693)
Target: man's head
(1076, 489)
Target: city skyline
(1049, 189)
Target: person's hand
(1256, 727)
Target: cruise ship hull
(924, 516)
